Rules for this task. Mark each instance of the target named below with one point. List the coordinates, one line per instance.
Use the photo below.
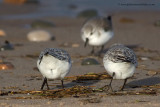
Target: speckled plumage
(120, 53)
(98, 23)
(120, 63)
(57, 53)
(54, 63)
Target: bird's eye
(91, 33)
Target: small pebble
(151, 73)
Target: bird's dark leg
(101, 51)
(62, 84)
(45, 82)
(92, 51)
(102, 48)
(123, 84)
(110, 84)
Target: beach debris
(88, 13)
(126, 20)
(93, 76)
(21, 1)
(42, 24)
(89, 76)
(157, 23)
(89, 61)
(39, 36)
(75, 91)
(6, 46)
(2, 33)
(151, 73)
(6, 65)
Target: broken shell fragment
(6, 65)
(152, 73)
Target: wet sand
(134, 29)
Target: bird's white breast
(122, 70)
(99, 40)
(53, 68)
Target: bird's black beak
(86, 42)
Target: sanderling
(120, 63)
(54, 64)
(97, 32)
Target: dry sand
(136, 30)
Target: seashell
(39, 36)
(6, 65)
(151, 73)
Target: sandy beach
(134, 29)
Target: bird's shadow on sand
(133, 84)
(81, 83)
(144, 82)
(69, 84)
